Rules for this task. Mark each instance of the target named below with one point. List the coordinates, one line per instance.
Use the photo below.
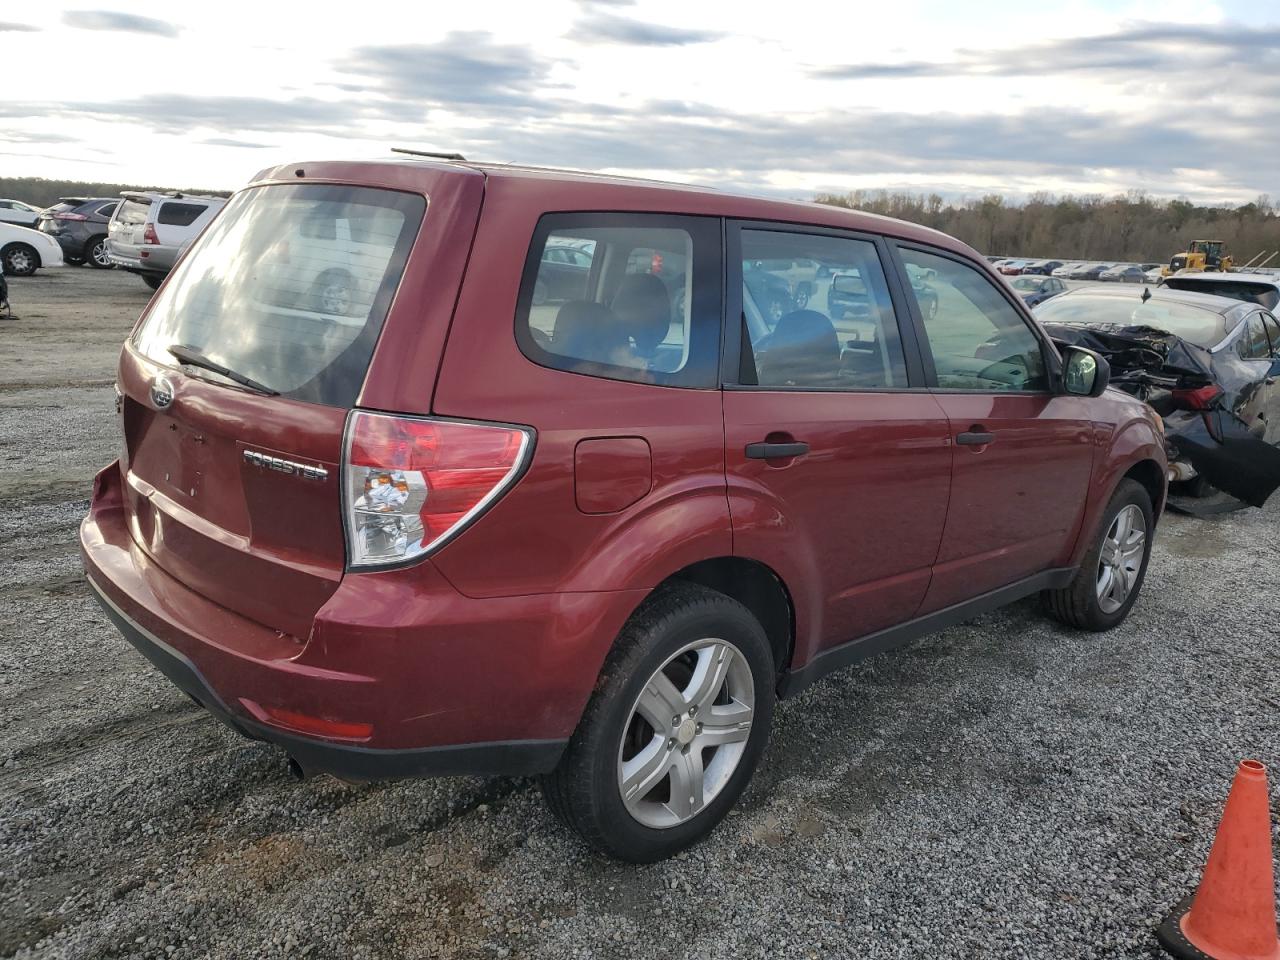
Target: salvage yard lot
(1006, 788)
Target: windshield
(289, 286)
(1202, 327)
(1027, 283)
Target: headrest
(643, 307)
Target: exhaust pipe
(1180, 470)
(295, 768)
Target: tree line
(1131, 227)
(41, 192)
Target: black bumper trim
(498, 758)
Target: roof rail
(428, 153)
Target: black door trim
(795, 680)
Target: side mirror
(1084, 373)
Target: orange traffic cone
(1232, 916)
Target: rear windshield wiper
(193, 357)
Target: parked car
(453, 531)
(1262, 289)
(1207, 364)
(79, 224)
(1089, 271)
(1035, 290)
(1063, 272)
(23, 251)
(148, 229)
(18, 213)
(1153, 275)
(1043, 268)
(1123, 273)
(1011, 268)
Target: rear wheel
(95, 252)
(674, 729)
(152, 281)
(1110, 577)
(19, 260)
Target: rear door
(234, 490)
(1022, 454)
(837, 458)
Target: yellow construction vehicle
(1201, 255)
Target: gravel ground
(1005, 788)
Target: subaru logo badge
(161, 392)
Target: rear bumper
(439, 682)
(151, 258)
(350, 761)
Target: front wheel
(674, 729)
(19, 260)
(1110, 577)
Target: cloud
(465, 69)
(231, 142)
(112, 20)
(1158, 51)
(608, 28)
(6, 27)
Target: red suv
(442, 468)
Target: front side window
(290, 287)
(977, 339)
(817, 312)
(624, 296)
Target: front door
(837, 459)
(1022, 454)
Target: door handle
(974, 438)
(775, 451)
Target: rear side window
(1253, 343)
(624, 296)
(289, 286)
(106, 210)
(180, 214)
(817, 313)
(133, 211)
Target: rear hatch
(127, 224)
(232, 478)
(50, 220)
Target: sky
(788, 99)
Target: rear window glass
(133, 211)
(180, 214)
(1263, 295)
(62, 206)
(289, 286)
(1202, 327)
(624, 296)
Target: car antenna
(1146, 294)
(428, 153)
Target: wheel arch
(1152, 477)
(35, 252)
(758, 588)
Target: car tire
(332, 293)
(152, 281)
(680, 634)
(19, 260)
(1093, 601)
(95, 254)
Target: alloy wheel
(20, 262)
(1121, 558)
(100, 255)
(686, 733)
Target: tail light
(70, 216)
(149, 234)
(413, 484)
(1201, 398)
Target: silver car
(148, 230)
